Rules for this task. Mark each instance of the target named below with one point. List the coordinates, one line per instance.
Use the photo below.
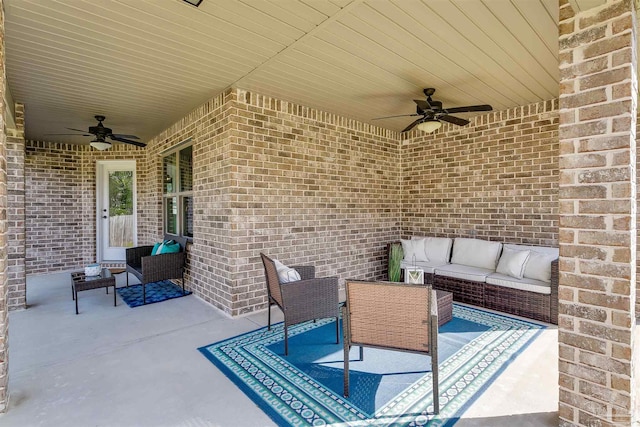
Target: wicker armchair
(150, 269)
(393, 316)
(309, 298)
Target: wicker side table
(80, 282)
(445, 306)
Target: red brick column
(597, 296)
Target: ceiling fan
(102, 133)
(432, 114)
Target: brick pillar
(16, 237)
(4, 311)
(597, 295)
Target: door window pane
(186, 168)
(120, 208)
(171, 215)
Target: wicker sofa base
(521, 303)
(507, 300)
(464, 291)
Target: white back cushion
(414, 249)
(538, 266)
(476, 253)
(512, 262)
(286, 274)
(439, 249)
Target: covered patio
(140, 367)
(260, 136)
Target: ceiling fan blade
(453, 119)
(127, 141)
(78, 130)
(119, 135)
(469, 108)
(423, 105)
(70, 134)
(412, 125)
(401, 115)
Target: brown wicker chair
(150, 269)
(310, 298)
(393, 316)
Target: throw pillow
(539, 266)
(155, 248)
(512, 263)
(414, 250)
(169, 247)
(286, 274)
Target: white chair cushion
(427, 266)
(539, 264)
(439, 249)
(476, 253)
(512, 262)
(464, 272)
(414, 249)
(524, 284)
(286, 274)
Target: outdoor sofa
(515, 279)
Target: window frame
(179, 196)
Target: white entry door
(116, 208)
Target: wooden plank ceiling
(146, 63)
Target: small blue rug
(156, 292)
(388, 388)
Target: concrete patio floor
(118, 366)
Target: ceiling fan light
(429, 126)
(100, 145)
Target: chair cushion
(286, 274)
(156, 246)
(439, 249)
(523, 284)
(464, 272)
(414, 249)
(166, 247)
(512, 262)
(427, 266)
(476, 253)
(538, 266)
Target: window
(177, 168)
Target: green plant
(395, 258)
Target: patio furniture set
(514, 279)
(142, 264)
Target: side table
(81, 282)
(445, 306)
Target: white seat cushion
(538, 266)
(523, 284)
(427, 266)
(464, 272)
(476, 253)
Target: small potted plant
(395, 258)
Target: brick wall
(495, 179)
(302, 185)
(60, 202)
(597, 295)
(16, 269)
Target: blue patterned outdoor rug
(388, 388)
(156, 292)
